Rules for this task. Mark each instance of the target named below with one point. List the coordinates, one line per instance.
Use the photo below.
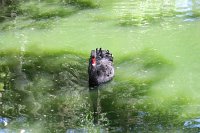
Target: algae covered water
(45, 47)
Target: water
(44, 60)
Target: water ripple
(140, 13)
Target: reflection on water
(141, 13)
(184, 7)
(194, 123)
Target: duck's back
(105, 70)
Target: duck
(100, 69)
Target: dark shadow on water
(94, 97)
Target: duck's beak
(93, 61)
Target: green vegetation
(36, 12)
(125, 99)
(51, 88)
(43, 73)
(40, 87)
(53, 85)
(129, 13)
(8, 8)
(45, 8)
(39, 11)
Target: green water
(44, 58)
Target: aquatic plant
(8, 8)
(122, 99)
(48, 9)
(82, 4)
(45, 11)
(50, 88)
(47, 88)
(36, 12)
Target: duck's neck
(93, 78)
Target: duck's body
(100, 68)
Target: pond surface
(45, 46)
